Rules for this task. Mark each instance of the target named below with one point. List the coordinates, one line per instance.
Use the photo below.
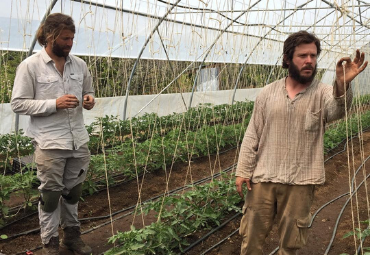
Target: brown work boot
(72, 241)
(51, 248)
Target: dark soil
(152, 184)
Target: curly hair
(296, 39)
(53, 26)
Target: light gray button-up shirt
(37, 85)
(284, 139)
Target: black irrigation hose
(345, 144)
(340, 215)
(362, 243)
(220, 242)
(100, 190)
(15, 221)
(209, 233)
(127, 214)
(131, 207)
(344, 206)
(167, 193)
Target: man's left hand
(347, 71)
(88, 102)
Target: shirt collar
(45, 56)
(312, 85)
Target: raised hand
(347, 70)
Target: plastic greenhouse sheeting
(163, 105)
(254, 33)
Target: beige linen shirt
(37, 85)
(284, 139)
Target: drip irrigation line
(127, 214)
(196, 183)
(324, 205)
(340, 215)
(344, 148)
(344, 206)
(209, 233)
(360, 247)
(220, 242)
(15, 221)
(131, 207)
(100, 190)
(167, 193)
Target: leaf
(137, 246)
(173, 234)
(348, 234)
(4, 237)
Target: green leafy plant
(179, 216)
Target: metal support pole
(210, 48)
(169, 62)
(141, 52)
(245, 62)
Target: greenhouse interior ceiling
(234, 31)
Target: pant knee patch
(49, 200)
(74, 194)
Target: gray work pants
(60, 170)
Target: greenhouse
(175, 85)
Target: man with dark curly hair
(282, 154)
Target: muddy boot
(51, 248)
(72, 241)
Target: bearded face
(61, 50)
(297, 75)
(62, 45)
(303, 67)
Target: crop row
(178, 217)
(132, 156)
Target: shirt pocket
(76, 78)
(48, 85)
(312, 121)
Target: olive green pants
(289, 203)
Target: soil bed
(126, 195)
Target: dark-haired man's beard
(294, 72)
(59, 50)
